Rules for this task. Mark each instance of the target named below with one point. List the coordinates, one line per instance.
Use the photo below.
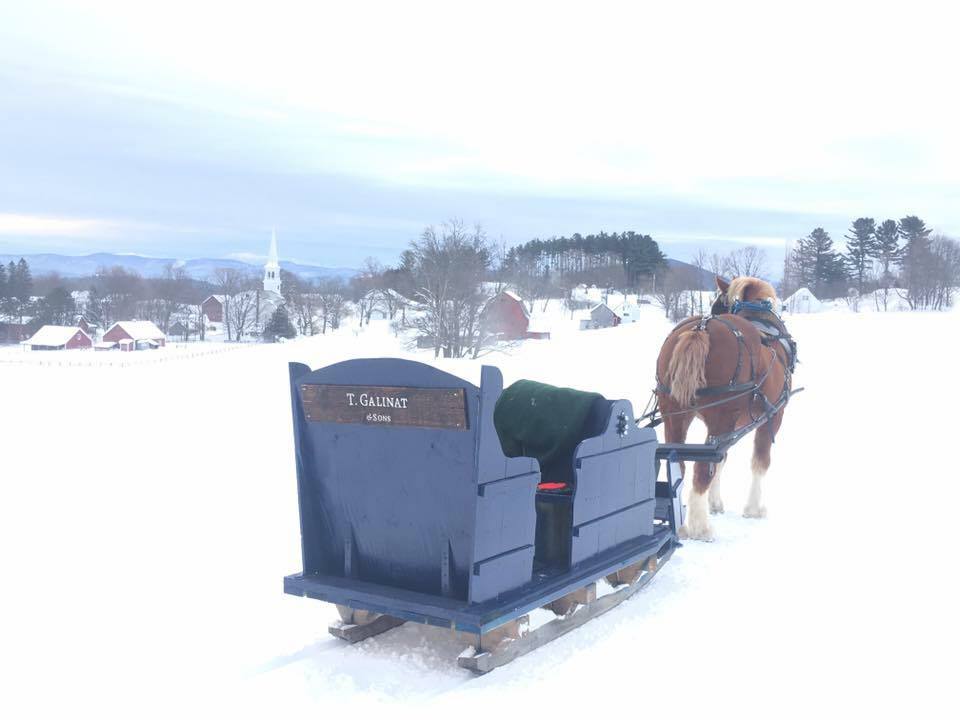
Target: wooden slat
(356, 633)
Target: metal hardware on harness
(623, 427)
(755, 305)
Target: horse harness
(772, 331)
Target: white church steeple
(271, 271)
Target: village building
(179, 328)
(628, 312)
(262, 303)
(135, 335)
(59, 337)
(86, 325)
(601, 316)
(506, 317)
(802, 301)
(213, 308)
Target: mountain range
(76, 266)
(79, 266)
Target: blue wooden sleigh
(410, 511)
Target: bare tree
(448, 267)
(746, 261)
(120, 291)
(717, 264)
(674, 292)
(241, 313)
(332, 296)
(169, 295)
(228, 282)
(700, 262)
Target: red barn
(143, 333)
(59, 337)
(506, 316)
(212, 308)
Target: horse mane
(750, 289)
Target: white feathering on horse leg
(754, 509)
(716, 502)
(697, 526)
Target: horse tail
(686, 371)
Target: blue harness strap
(754, 305)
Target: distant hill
(708, 279)
(74, 266)
(77, 266)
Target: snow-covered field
(149, 514)
(172, 352)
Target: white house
(802, 301)
(628, 312)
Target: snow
(155, 589)
(53, 336)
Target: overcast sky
(190, 129)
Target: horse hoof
(702, 534)
(756, 513)
(716, 508)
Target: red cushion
(551, 486)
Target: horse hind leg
(762, 442)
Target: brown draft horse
(705, 352)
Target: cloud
(12, 224)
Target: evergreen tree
(918, 260)
(19, 288)
(861, 249)
(801, 264)
(3, 290)
(824, 265)
(916, 245)
(889, 254)
(56, 308)
(279, 326)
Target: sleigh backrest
(402, 481)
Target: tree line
(446, 275)
(890, 257)
(622, 260)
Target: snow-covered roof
(602, 305)
(802, 292)
(139, 329)
(54, 335)
(513, 295)
(105, 345)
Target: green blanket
(547, 422)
